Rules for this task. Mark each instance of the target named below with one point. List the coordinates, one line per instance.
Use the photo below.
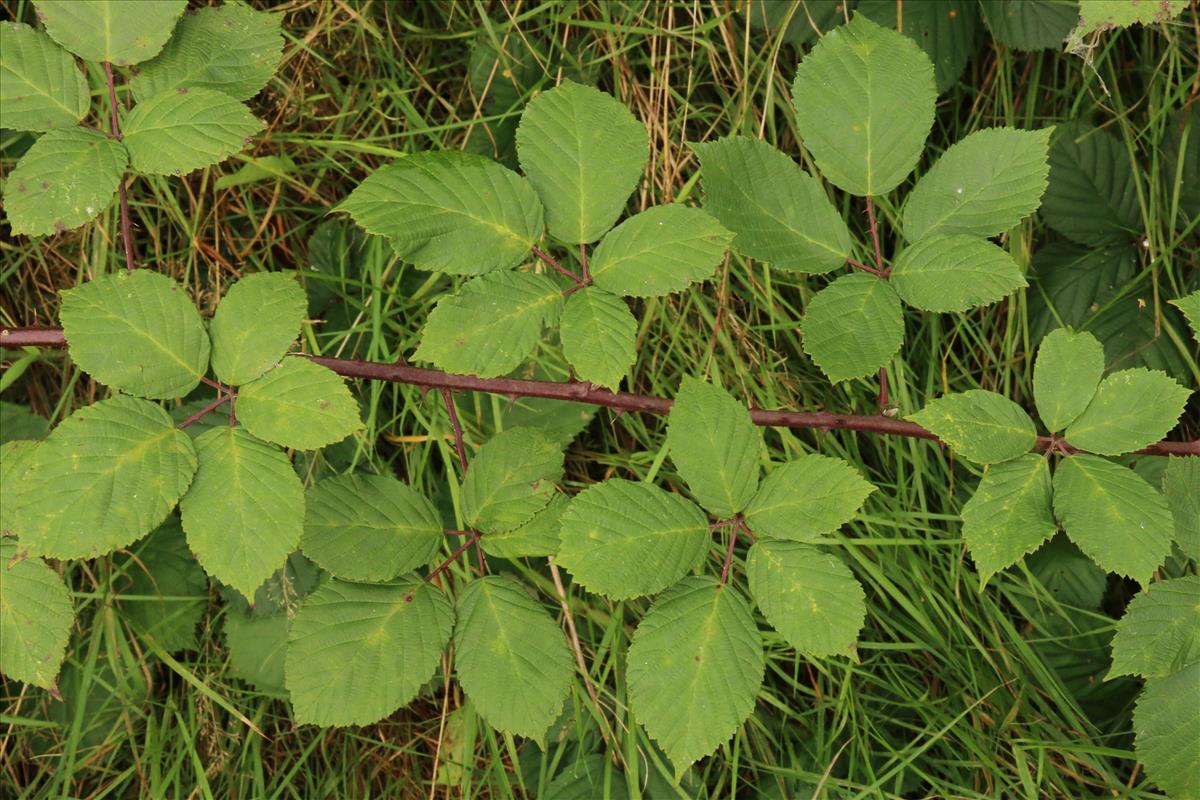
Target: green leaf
(254, 170)
(244, 512)
(807, 498)
(1030, 24)
(599, 337)
(41, 87)
(807, 595)
(35, 617)
(584, 153)
(944, 30)
(450, 212)
(715, 446)
(298, 405)
(694, 668)
(1181, 485)
(982, 426)
(231, 49)
(369, 527)
(1069, 576)
(1092, 195)
(1131, 409)
(624, 539)
(536, 538)
(808, 18)
(1166, 724)
(490, 325)
(779, 213)
(1010, 514)
(283, 591)
(64, 179)
(165, 592)
(16, 458)
(864, 99)
(1099, 15)
(107, 476)
(983, 185)
(186, 130)
(1160, 632)
(257, 648)
(511, 478)
(586, 778)
(853, 327)
(1118, 519)
(1180, 166)
(111, 30)
(163, 349)
(1190, 305)
(955, 273)
(18, 422)
(255, 325)
(1065, 376)
(661, 250)
(510, 656)
(357, 651)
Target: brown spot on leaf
(58, 226)
(323, 405)
(181, 90)
(408, 598)
(21, 185)
(45, 186)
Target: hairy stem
(875, 237)
(459, 448)
(554, 265)
(126, 227)
(582, 392)
(204, 412)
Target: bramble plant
(348, 592)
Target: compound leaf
(244, 512)
(599, 336)
(105, 477)
(982, 426)
(810, 597)
(1115, 517)
(1030, 24)
(490, 325)
(257, 648)
(1065, 376)
(16, 458)
(853, 326)
(231, 49)
(955, 273)
(1181, 485)
(299, 405)
(163, 349)
(806, 498)
(1131, 409)
(65, 178)
(35, 618)
(1010, 514)
(369, 527)
(1166, 724)
(117, 31)
(356, 652)
(186, 129)
(983, 185)
(1092, 195)
(584, 153)
(944, 30)
(715, 446)
(624, 539)
(450, 212)
(694, 668)
(1160, 632)
(255, 325)
(864, 99)
(511, 657)
(167, 590)
(511, 478)
(41, 87)
(778, 212)
(661, 250)
(536, 538)
(1190, 305)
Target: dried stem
(126, 226)
(584, 392)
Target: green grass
(958, 691)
